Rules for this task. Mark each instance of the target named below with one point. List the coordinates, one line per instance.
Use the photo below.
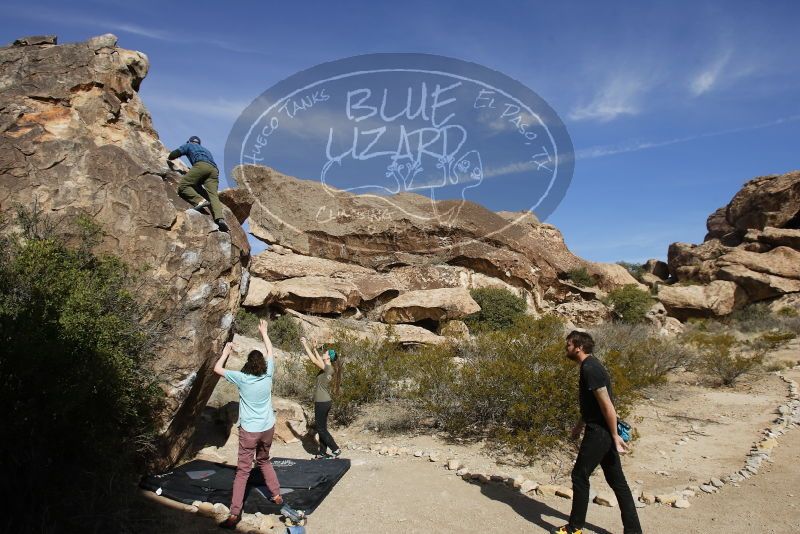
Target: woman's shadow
(529, 508)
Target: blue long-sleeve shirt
(194, 152)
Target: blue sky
(671, 107)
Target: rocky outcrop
(374, 251)
(753, 242)
(76, 139)
(714, 299)
(369, 231)
(766, 201)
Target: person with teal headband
(322, 398)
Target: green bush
(581, 277)
(630, 303)
(636, 359)
(499, 309)
(788, 312)
(514, 387)
(285, 333)
(774, 339)
(81, 401)
(636, 269)
(246, 324)
(723, 357)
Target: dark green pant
(205, 175)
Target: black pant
(321, 410)
(597, 448)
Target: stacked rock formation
(751, 253)
(394, 261)
(76, 139)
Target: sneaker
(335, 454)
(566, 529)
(230, 522)
(222, 226)
(322, 456)
(203, 204)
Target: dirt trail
(407, 495)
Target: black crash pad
(304, 483)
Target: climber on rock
(204, 173)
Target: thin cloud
(708, 78)
(218, 108)
(610, 150)
(620, 96)
(50, 16)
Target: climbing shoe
(230, 522)
(202, 205)
(334, 454)
(222, 226)
(566, 529)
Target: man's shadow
(529, 508)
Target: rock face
(385, 251)
(753, 243)
(76, 139)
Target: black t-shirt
(593, 376)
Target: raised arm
(262, 327)
(610, 416)
(219, 367)
(315, 359)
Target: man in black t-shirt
(601, 443)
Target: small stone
(418, 454)
(483, 479)
(462, 472)
(647, 498)
(688, 493)
(666, 498)
(454, 464)
(394, 451)
(434, 457)
(681, 503)
(221, 508)
(517, 482)
(717, 483)
(546, 489)
(563, 492)
(528, 486)
(708, 489)
(603, 499)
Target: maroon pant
(253, 444)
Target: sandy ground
(405, 494)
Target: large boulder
(767, 201)
(781, 261)
(76, 139)
(779, 237)
(240, 201)
(715, 299)
(758, 285)
(369, 231)
(695, 262)
(429, 304)
(326, 330)
(719, 228)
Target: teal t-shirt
(255, 398)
